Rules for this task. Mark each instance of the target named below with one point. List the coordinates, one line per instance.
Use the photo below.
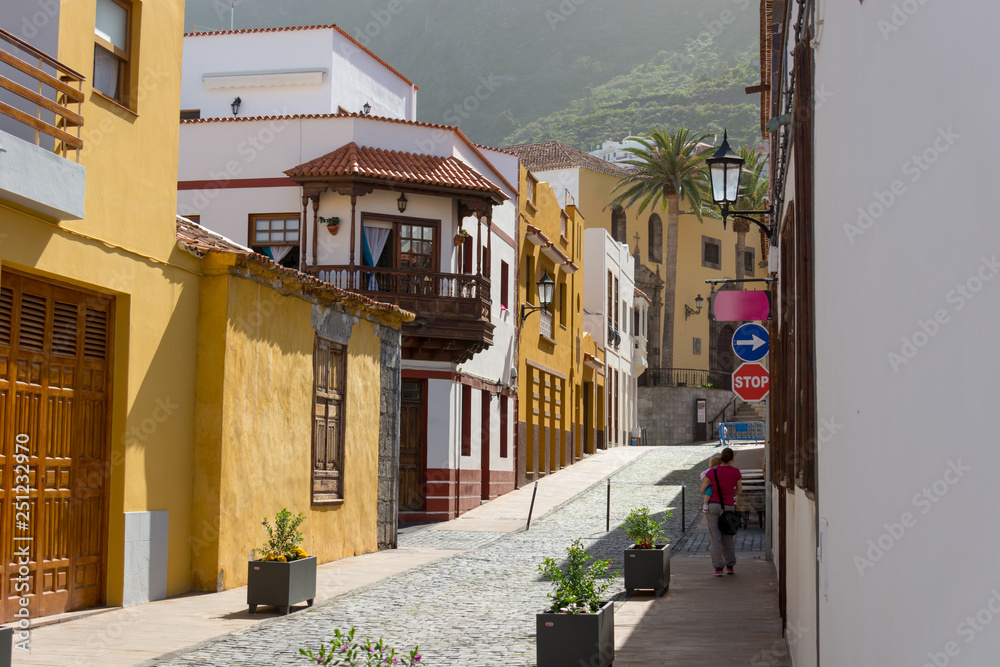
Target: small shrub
(283, 537)
(643, 529)
(577, 589)
(349, 652)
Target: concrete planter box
(571, 640)
(6, 645)
(281, 584)
(648, 568)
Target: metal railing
(685, 377)
(51, 100)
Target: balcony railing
(427, 293)
(51, 99)
(685, 377)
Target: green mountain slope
(540, 56)
(692, 89)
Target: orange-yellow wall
(550, 388)
(595, 195)
(254, 434)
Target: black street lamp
(689, 311)
(235, 106)
(401, 202)
(544, 296)
(724, 169)
(367, 108)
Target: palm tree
(666, 169)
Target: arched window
(655, 238)
(618, 224)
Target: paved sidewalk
(124, 637)
(467, 591)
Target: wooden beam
(72, 93)
(41, 126)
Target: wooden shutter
(328, 432)
(802, 137)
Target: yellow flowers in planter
(284, 537)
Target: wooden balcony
(453, 310)
(54, 88)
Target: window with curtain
(112, 49)
(276, 236)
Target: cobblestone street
(476, 608)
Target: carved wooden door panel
(411, 447)
(55, 345)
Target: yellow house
(127, 377)
(292, 374)
(560, 397)
(684, 346)
(99, 307)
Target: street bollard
(607, 527)
(531, 508)
(683, 508)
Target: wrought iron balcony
(453, 310)
(685, 377)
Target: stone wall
(668, 413)
(388, 436)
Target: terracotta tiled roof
(331, 26)
(354, 160)
(200, 241)
(640, 293)
(547, 155)
(401, 121)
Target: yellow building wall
(596, 194)
(126, 246)
(550, 369)
(130, 153)
(255, 430)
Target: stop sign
(750, 382)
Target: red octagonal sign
(751, 382)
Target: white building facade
(288, 71)
(883, 375)
(610, 317)
(404, 212)
(614, 151)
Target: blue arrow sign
(750, 342)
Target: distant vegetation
(672, 90)
(579, 70)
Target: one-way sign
(750, 342)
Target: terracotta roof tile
(200, 241)
(546, 155)
(354, 160)
(331, 26)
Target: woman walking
(730, 483)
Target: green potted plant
(332, 224)
(461, 236)
(647, 561)
(578, 627)
(284, 574)
(345, 650)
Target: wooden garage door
(55, 344)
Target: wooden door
(412, 447)
(55, 345)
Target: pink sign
(733, 306)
